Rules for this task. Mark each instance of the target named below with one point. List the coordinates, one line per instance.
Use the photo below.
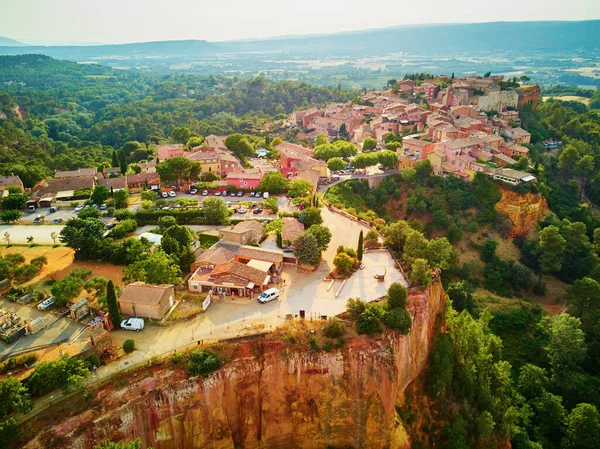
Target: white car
(78, 208)
(217, 193)
(172, 194)
(164, 195)
(133, 324)
(193, 191)
(268, 295)
(204, 192)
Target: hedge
(184, 217)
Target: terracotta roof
(216, 256)
(292, 229)
(291, 149)
(246, 174)
(9, 181)
(80, 173)
(251, 252)
(140, 293)
(240, 270)
(115, 183)
(141, 177)
(245, 226)
(62, 185)
(214, 141)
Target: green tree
(158, 268)
(310, 216)
(420, 272)
(336, 164)
(128, 346)
(582, 427)
(99, 195)
(181, 134)
(568, 159)
(388, 158)
(14, 397)
(115, 159)
(112, 304)
(181, 234)
(279, 240)
(566, 347)
(364, 160)
(322, 234)
(215, 211)
(239, 145)
(359, 248)
(120, 198)
(306, 249)
(583, 301)
(174, 169)
(166, 221)
(194, 141)
(122, 161)
(369, 144)
(439, 253)
(10, 215)
(274, 182)
(423, 170)
(397, 296)
(321, 139)
(488, 250)
(552, 247)
(14, 201)
(203, 362)
(149, 195)
(369, 321)
(66, 289)
(398, 319)
(66, 373)
(299, 188)
(460, 296)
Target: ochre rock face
(523, 210)
(268, 397)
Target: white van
(266, 195)
(268, 295)
(133, 324)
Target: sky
(61, 22)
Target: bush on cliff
(369, 322)
(334, 328)
(398, 319)
(203, 362)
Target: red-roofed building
(247, 179)
(168, 151)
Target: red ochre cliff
(524, 210)
(268, 396)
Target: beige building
(147, 301)
(243, 233)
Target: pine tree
(115, 159)
(359, 250)
(113, 306)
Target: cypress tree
(113, 306)
(115, 159)
(122, 162)
(359, 250)
(279, 240)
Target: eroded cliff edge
(268, 396)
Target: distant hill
(143, 49)
(7, 42)
(475, 37)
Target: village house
(146, 301)
(12, 181)
(291, 230)
(243, 233)
(512, 150)
(512, 176)
(168, 151)
(111, 172)
(248, 179)
(44, 193)
(113, 184)
(209, 158)
(294, 158)
(136, 183)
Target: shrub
(93, 360)
(334, 328)
(123, 214)
(398, 319)
(129, 346)
(397, 296)
(355, 306)
(368, 323)
(203, 362)
(177, 358)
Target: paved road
(58, 329)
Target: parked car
(257, 211)
(266, 195)
(252, 194)
(240, 193)
(225, 193)
(187, 191)
(289, 249)
(57, 220)
(78, 208)
(164, 194)
(257, 194)
(133, 324)
(193, 191)
(172, 194)
(204, 192)
(53, 209)
(31, 208)
(38, 219)
(242, 210)
(109, 226)
(268, 295)
(46, 303)
(103, 206)
(217, 193)
(166, 208)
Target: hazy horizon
(77, 22)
